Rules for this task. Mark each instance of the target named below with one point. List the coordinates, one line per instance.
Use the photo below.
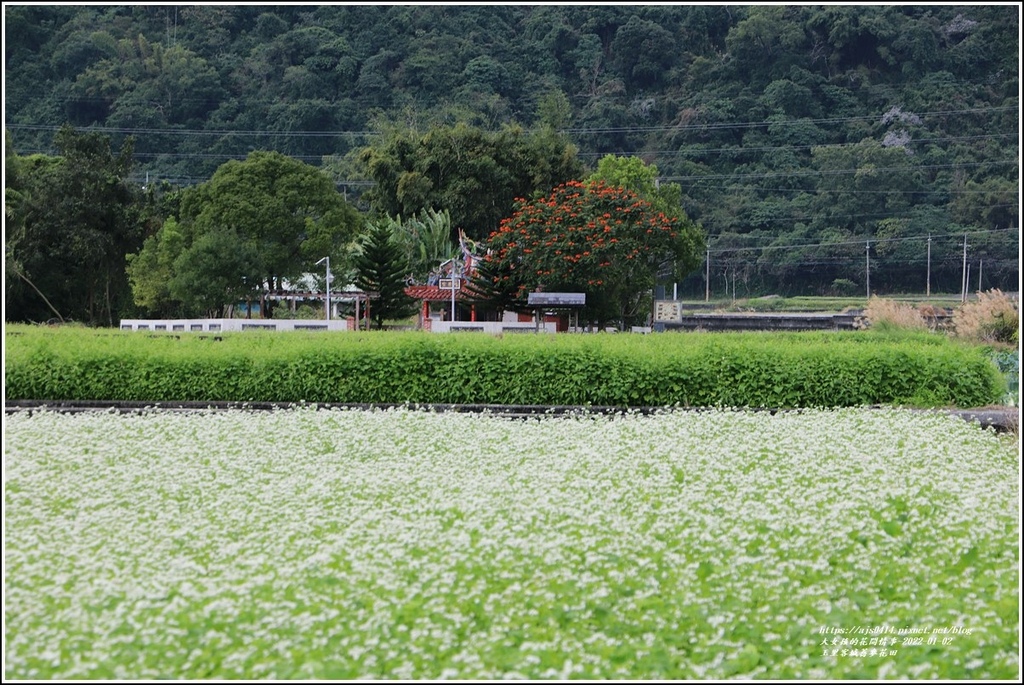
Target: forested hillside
(809, 141)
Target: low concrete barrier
(755, 321)
(223, 325)
(492, 327)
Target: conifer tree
(382, 268)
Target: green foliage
(778, 370)
(472, 174)
(425, 240)
(382, 268)
(496, 284)
(73, 218)
(796, 133)
(1008, 362)
(256, 223)
(633, 174)
(151, 269)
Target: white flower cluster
(405, 544)
(896, 113)
(900, 138)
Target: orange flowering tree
(593, 238)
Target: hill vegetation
(813, 144)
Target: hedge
(775, 370)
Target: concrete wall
(223, 325)
(493, 327)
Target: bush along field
(332, 544)
(775, 370)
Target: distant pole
(867, 267)
(980, 262)
(328, 260)
(453, 276)
(928, 279)
(963, 277)
(707, 278)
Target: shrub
(844, 286)
(782, 370)
(992, 318)
(886, 315)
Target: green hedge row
(777, 370)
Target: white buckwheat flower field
(405, 544)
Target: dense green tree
(145, 85)
(269, 218)
(151, 270)
(216, 271)
(21, 206)
(633, 174)
(643, 52)
(382, 268)
(472, 174)
(496, 284)
(74, 218)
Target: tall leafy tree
(20, 203)
(496, 283)
(151, 269)
(269, 216)
(473, 174)
(215, 271)
(632, 173)
(75, 220)
(382, 268)
(602, 240)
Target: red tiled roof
(431, 293)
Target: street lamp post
(456, 282)
(328, 260)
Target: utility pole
(928, 282)
(707, 278)
(980, 262)
(963, 278)
(867, 267)
(328, 281)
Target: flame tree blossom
(593, 238)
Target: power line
(858, 241)
(690, 152)
(838, 172)
(614, 129)
(843, 191)
(784, 122)
(698, 151)
(908, 214)
(194, 131)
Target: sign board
(668, 310)
(557, 299)
(449, 283)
